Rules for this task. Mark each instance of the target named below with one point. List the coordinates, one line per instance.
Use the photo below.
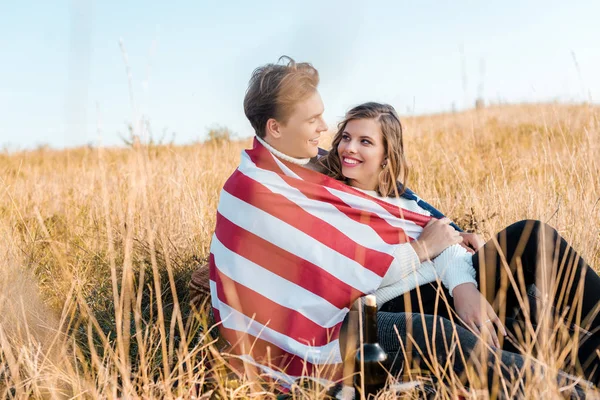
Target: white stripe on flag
(235, 320)
(274, 287)
(282, 377)
(281, 165)
(293, 240)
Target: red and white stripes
(292, 250)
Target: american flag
(292, 250)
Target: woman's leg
(435, 300)
(532, 253)
(426, 340)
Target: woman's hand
(436, 237)
(476, 313)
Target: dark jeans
(526, 263)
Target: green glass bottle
(373, 360)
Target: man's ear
(273, 128)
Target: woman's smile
(350, 162)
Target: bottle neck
(370, 324)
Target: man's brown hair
(274, 89)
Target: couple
(299, 238)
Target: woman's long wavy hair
(396, 168)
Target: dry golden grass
(86, 229)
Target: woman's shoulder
(400, 201)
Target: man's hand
(476, 313)
(471, 241)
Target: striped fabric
(292, 250)
(435, 213)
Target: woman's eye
(345, 137)
(365, 141)
(312, 120)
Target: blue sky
(63, 80)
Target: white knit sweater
(454, 266)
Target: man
(285, 108)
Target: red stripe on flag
(285, 264)
(269, 355)
(277, 205)
(283, 320)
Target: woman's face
(362, 152)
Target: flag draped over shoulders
(292, 250)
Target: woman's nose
(350, 147)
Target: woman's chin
(347, 174)
(350, 176)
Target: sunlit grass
(98, 245)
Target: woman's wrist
(420, 250)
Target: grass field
(98, 244)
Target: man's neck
(298, 161)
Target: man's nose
(322, 126)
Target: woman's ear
(384, 163)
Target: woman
(486, 287)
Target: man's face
(299, 136)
